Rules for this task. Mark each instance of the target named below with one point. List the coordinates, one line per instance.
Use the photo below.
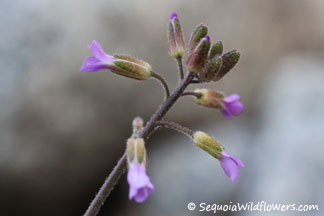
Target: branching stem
(163, 82)
(176, 127)
(120, 168)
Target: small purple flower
(99, 61)
(232, 106)
(140, 186)
(231, 165)
(173, 15)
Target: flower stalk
(204, 63)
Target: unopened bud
(198, 56)
(216, 50)
(132, 67)
(211, 68)
(208, 144)
(200, 32)
(137, 126)
(230, 59)
(209, 98)
(136, 151)
(176, 42)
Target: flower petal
(231, 98)
(98, 52)
(235, 108)
(226, 113)
(231, 166)
(140, 184)
(92, 64)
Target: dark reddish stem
(120, 168)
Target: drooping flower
(229, 105)
(120, 64)
(140, 186)
(230, 164)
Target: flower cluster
(205, 63)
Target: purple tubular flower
(139, 183)
(99, 61)
(232, 106)
(231, 165)
(173, 15)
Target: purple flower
(140, 186)
(120, 64)
(232, 106)
(173, 15)
(230, 165)
(99, 61)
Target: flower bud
(119, 64)
(210, 69)
(230, 59)
(200, 32)
(175, 36)
(137, 126)
(208, 144)
(216, 50)
(198, 56)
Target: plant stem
(176, 127)
(190, 93)
(120, 168)
(163, 82)
(180, 67)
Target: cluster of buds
(203, 59)
(207, 61)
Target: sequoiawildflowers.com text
(254, 206)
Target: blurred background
(62, 131)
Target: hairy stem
(120, 168)
(180, 67)
(176, 127)
(163, 82)
(190, 93)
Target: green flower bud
(131, 67)
(197, 59)
(211, 68)
(216, 50)
(230, 59)
(208, 144)
(176, 42)
(200, 32)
